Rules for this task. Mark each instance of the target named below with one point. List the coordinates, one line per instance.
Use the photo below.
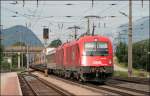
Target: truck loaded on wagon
(89, 58)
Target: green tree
(1, 53)
(1, 56)
(14, 60)
(121, 52)
(140, 55)
(4, 65)
(15, 56)
(55, 43)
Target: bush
(140, 54)
(4, 66)
(55, 43)
(121, 52)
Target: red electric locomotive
(90, 58)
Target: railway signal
(46, 33)
(45, 37)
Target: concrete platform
(10, 84)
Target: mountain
(140, 30)
(19, 33)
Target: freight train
(89, 58)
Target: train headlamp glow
(95, 39)
(84, 53)
(110, 62)
(84, 60)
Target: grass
(120, 73)
(136, 72)
(140, 73)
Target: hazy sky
(54, 15)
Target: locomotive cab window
(96, 49)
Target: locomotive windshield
(96, 49)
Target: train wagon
(90, 58)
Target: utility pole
(1, 28)
(45, 37)
(88, 23)
(130, 40)
(27, 54)
(88, 26)
(27, 57)
(75, 29)
(21, 46)
(93, 29)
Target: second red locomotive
(89, 58)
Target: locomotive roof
(101, 38)
(84, 38)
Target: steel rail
(33, 91)
(100, 88)
(54, 87)
(133, 80)
(129, 89)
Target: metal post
(27, 57)
(88, 25)
(27, 54)
(130, 40)
(75, 35)
(88, 17)
(1, 28)
(18, 60)
(10, 63)
(93, 29)
(46, 70)
(22, 60)
(75, 27)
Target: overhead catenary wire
(58, 16)
(40, 14)
(70, 3)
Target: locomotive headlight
(84, 60)
(110, 62)
(95, 39)
(84, 53)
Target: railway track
(107, 88)
(136, 80)
(110, 88)
(26, 90)
(134, 87)
(120, 90)
(79, 84)
(129, 89)
(40, 87)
